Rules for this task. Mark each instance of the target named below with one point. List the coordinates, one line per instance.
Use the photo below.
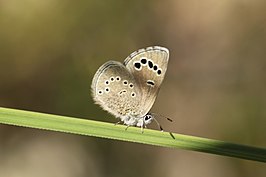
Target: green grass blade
(109, 130)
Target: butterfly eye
(147, 117)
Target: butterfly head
(147, 119)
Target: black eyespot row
(159, 72)
(155, 67)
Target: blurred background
(214, 87)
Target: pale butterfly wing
(115, 90)
(148, 66)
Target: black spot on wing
(150, 64)
(137, 65)
(151, 83)
(143, 61)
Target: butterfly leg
(142, 129)
(117, 123)
(127, 127)
(143, 126)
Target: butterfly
(128, 90)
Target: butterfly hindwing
(114, 88)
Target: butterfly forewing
(114, 88)
(148, 66)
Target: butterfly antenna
(159, 115)
(160, 127)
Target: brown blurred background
(214, 87)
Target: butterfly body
(129, 90)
